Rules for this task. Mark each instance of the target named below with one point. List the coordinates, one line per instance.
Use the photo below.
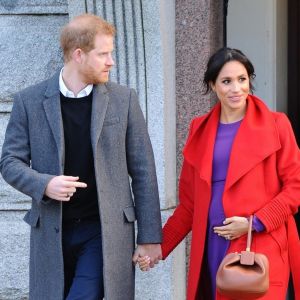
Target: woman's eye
(226, 81)
(242, 79)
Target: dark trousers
(83, 262)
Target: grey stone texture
(199, 32)
(158, 22)
(30, 7)
(29, 50)
(14, 245)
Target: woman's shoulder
(283, 125)
(279, 116)
(281, 119)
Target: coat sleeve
(15, 160)
(286, 203)
(180, 223)
(141, 167)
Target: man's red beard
(89, 76)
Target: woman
(240, 159)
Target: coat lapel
(256, 139)
(53, 113)
(200, 145)
(99, 107)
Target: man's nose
(110, 61)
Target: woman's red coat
(263, 179)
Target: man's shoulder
(33, 89)
(118, 89)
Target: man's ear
(77, 55)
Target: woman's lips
(235, 98)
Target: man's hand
(233, 228)
(153, 251)
(62, 187)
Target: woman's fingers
(234, 228)
(144, 263)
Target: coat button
(56, 229)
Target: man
(72, 144)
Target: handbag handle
(249, 237)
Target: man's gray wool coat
(33, 153)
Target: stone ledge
(33, 7)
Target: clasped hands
(147, 256)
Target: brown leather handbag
(245, 275)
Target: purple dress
(216, 246)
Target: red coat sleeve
(286, 203)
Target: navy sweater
(79, 160)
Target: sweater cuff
(257, 225)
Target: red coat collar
(256, 139)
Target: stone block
(33, 6)
(76, 7)
(14, 253)
(29, 50)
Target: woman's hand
(144, 263)
(233, 228)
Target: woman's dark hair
(219, 59)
